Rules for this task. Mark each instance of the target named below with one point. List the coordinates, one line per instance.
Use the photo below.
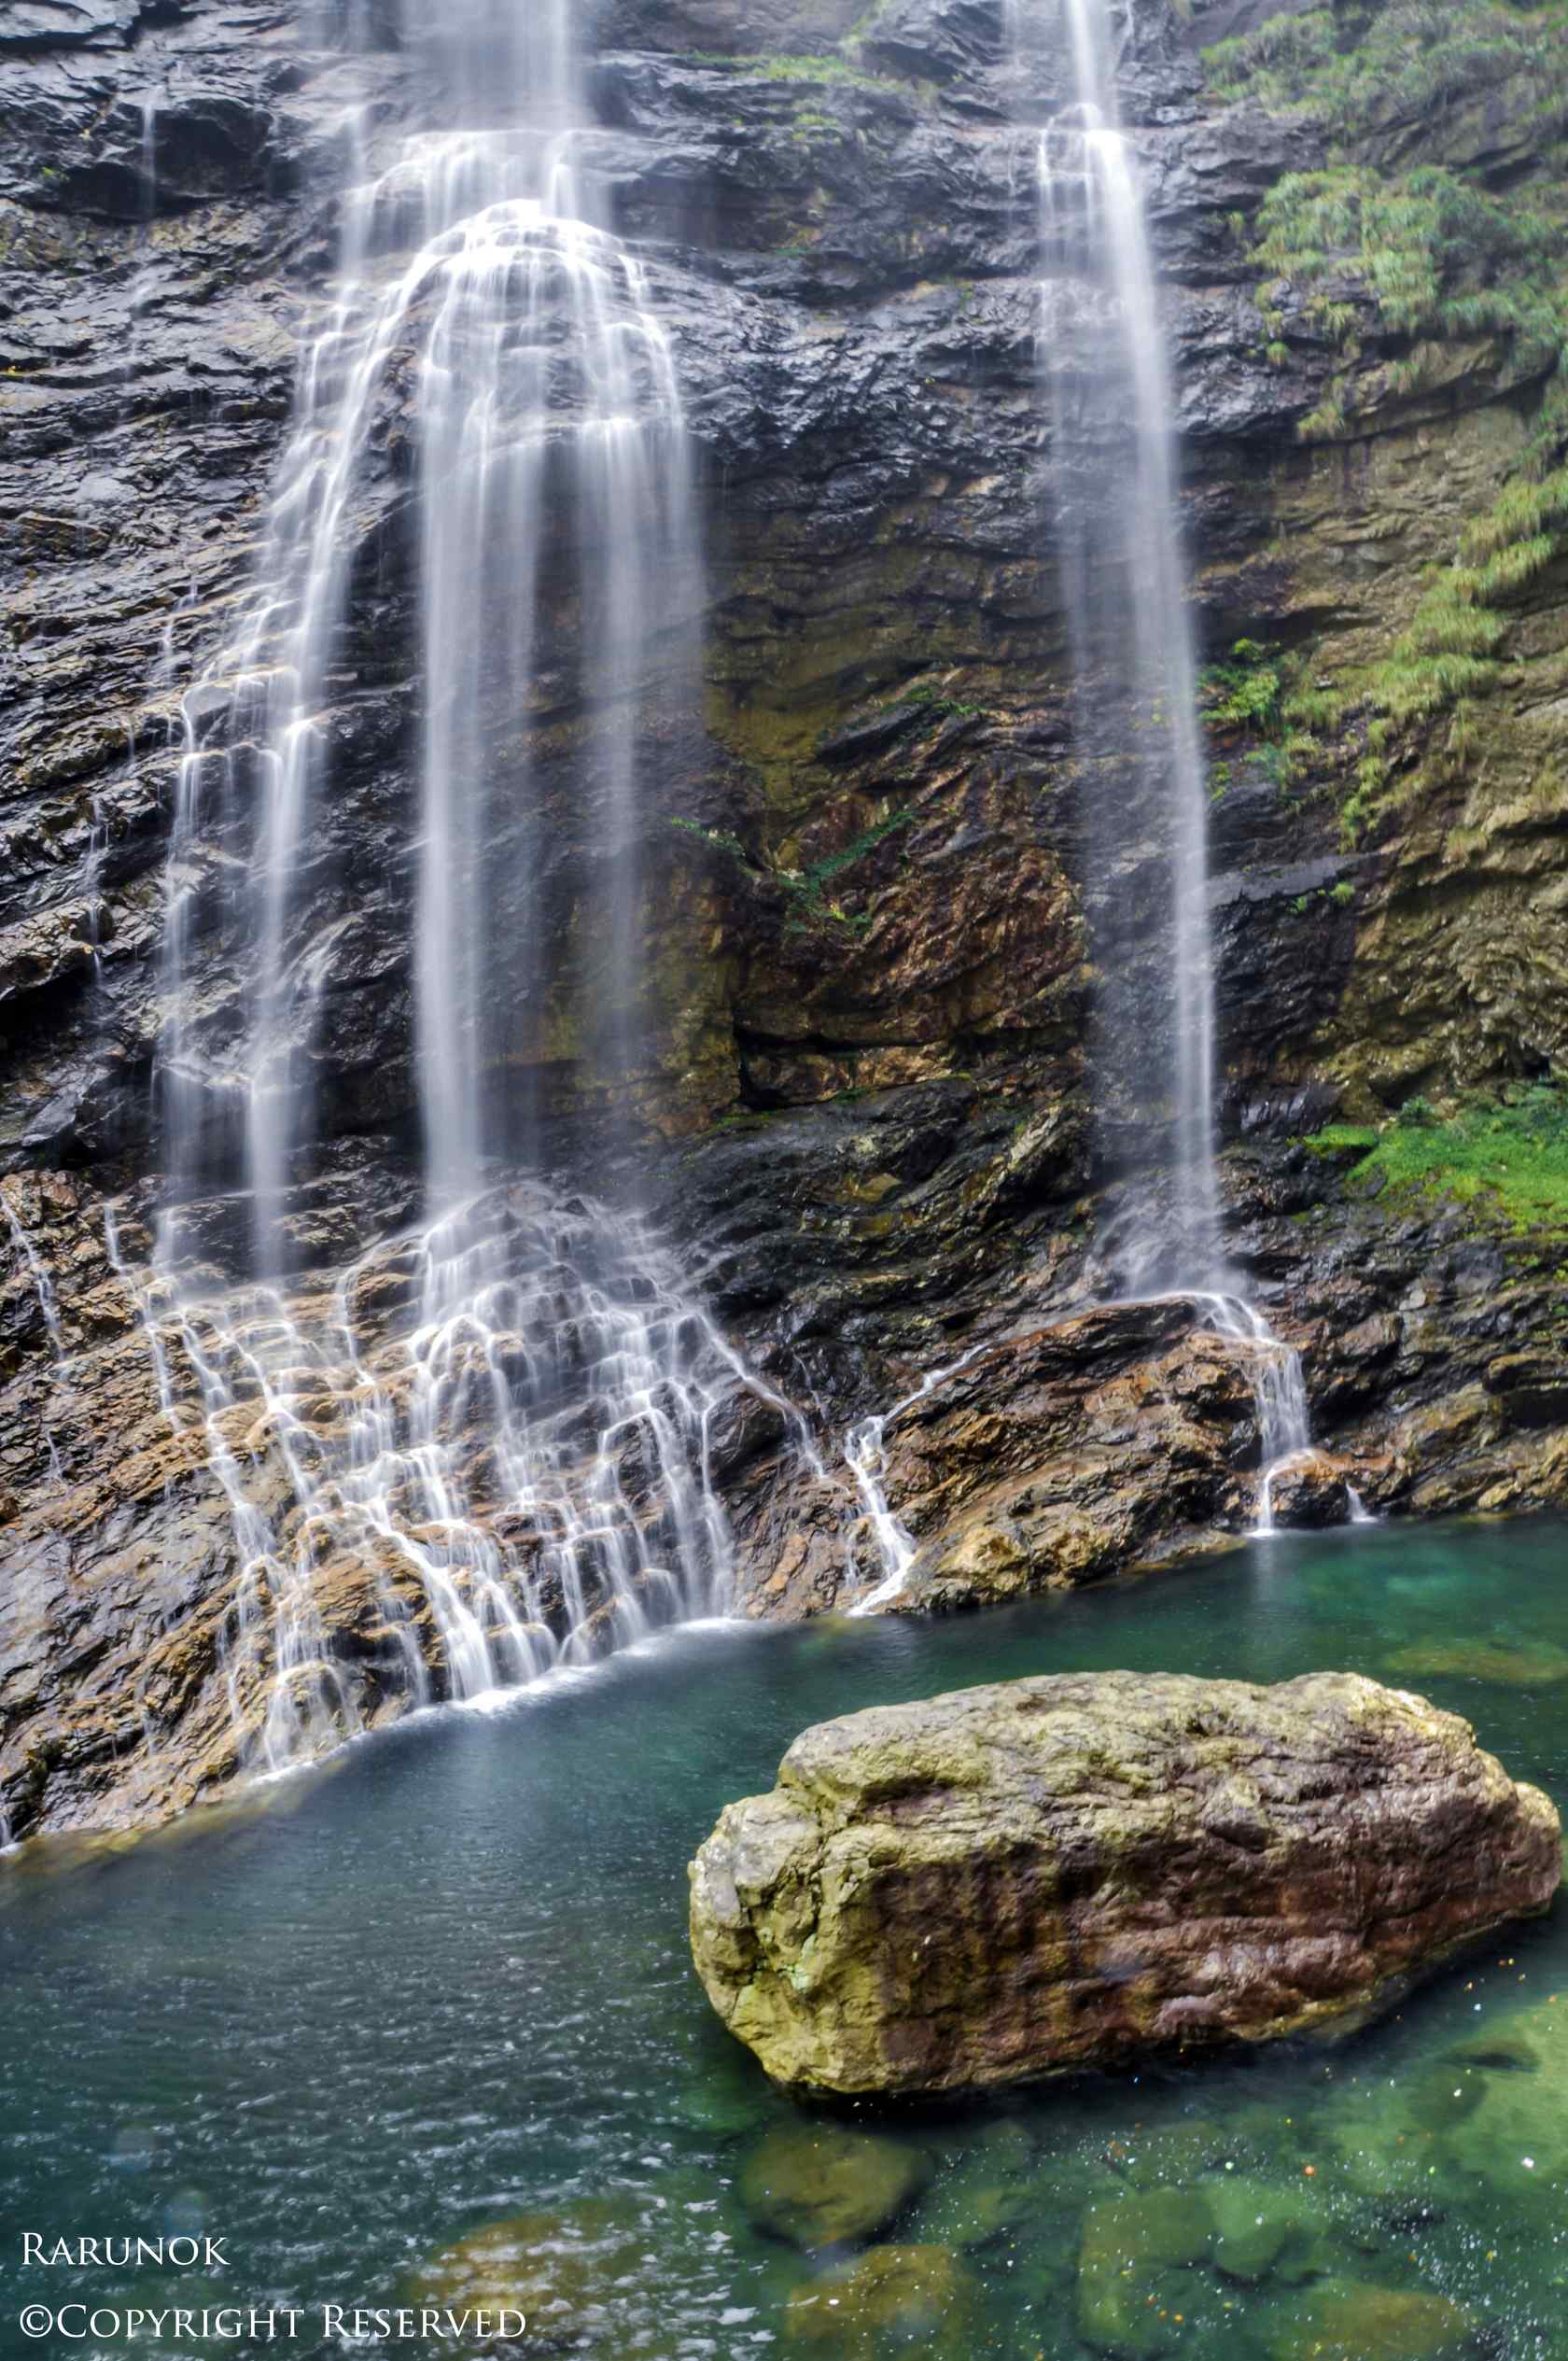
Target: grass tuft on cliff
(1393, 250)
(1413, 64)
(1508, 1159)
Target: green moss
(808, 888)
(1414, 60)
(1424, 258)
(787, 68)
(1507, 1158)
(936, 700)
(1450, 652)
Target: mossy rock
(894, 2301)
(1127, 2246)
(1254, 2223)
(1355, 2320)
(559, 2270)
(818, 2185)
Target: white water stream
(485, 1445)
(1135, 635)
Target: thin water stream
(1105, 364)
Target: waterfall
(484, 1446)
(1104, 351)
(1104, 356)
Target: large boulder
(1061, 1873)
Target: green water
(445, 1984)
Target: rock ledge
(1071, 1873)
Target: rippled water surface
(440, 1993)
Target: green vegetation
(1244, 692)
(791, 68)
(936, 700)
(1424, 256)
(807, 889)
(1254, 691)
(717, 840)
(1413, 61)
(1509, 1159)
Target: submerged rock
(1124, 2243)
(821, 2185)
(561, 2271)
(1535, 1663)
(1353, 2320)
(895, 2299)
(1070, 1873)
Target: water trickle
(863, 1454)
(48, 1304)
(43, 1285)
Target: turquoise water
(445, 1986)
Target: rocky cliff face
(867, 908)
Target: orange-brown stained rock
(1071, 1873)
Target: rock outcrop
(1061, 1873)
(868, 913)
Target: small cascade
(1280, 1388)
(496, 1433)
(895, 1543)
(864, 1457)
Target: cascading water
(1104, 355)
(1135, 669)
(485, 1444)
(863, 1454)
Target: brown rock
(1312, 1489)
(1061, 1873)
(1531, 1388)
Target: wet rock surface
(1055, 1875)
(867, 912)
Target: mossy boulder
(1060, 1874)
(892, 2301)
(1356, 2320)
(560, 2270)
(1254, 2223)
(820, 2184)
